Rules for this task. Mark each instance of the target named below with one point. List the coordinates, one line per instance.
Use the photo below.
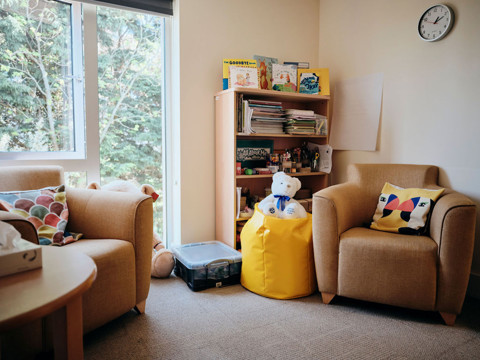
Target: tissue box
(23, 256)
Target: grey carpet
(233, 323)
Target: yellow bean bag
(277, 256)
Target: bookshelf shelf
(253, 177)
(226, 136)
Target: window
(39, 77)
(83, 86)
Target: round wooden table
(55, 289)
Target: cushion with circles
(46, 209)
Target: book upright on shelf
(242, 77)
(284, 77)
(264, 66)
(314, 81)
(249, 63)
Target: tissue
(17, 254)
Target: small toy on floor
(163, 261)
(280, 203)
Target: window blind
(164, 7)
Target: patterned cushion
(46, 209)
(404, 211)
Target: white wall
(431, 102)
(209, 31)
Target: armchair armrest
(101, 214)
(335, 210)
(23, 226)
(452, 227)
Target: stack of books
(300, 122)
(260, 116)
(267, 117)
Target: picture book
(264, 67)
(254, 153)
(243, 77)
(314, 81)
(299, 64)
(235, 62)
(284, 77)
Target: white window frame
(78, 101)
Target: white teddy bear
(280, 203)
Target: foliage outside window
(42, 88)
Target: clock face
(435, 23)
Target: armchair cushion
(45, 208)
(404, 211)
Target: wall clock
(435, 22)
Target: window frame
(77, 100)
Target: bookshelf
(226, 136)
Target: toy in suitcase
(207, 264)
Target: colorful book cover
(284, 77)
(243, 77)
(308, 86)
(264, 66)
(235, 62)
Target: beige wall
(431, 102)
(209, 31)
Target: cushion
(46, 209)
(404, 211)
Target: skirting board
(474, 286)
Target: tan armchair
(117, 233)
(428, 272)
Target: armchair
(428, 272)
(117, 233)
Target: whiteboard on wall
(356, 113)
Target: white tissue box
(23, 256)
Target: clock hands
(438, 19)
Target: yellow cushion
(404, 211)
(277, 256)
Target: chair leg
(327, 297)
(140, 307)
(448, 318)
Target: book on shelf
(259, 116)
(264, 67)
(314, 81)
(298, 64)
(298, 112)
(242, 77)
(250, 63)
(284, 77)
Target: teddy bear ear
(147, 189)
(94, 186)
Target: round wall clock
(435, 22)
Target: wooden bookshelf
(225, 153)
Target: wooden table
(55, 289)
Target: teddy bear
(163, 261)
(280, 203)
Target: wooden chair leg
(327, 297)
(448, 318)
(140, 307)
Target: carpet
(233, 323)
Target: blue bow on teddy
(281, 201)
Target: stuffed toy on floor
(280, 203)
(162, 259)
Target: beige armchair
(117, 233)
(428, 272)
